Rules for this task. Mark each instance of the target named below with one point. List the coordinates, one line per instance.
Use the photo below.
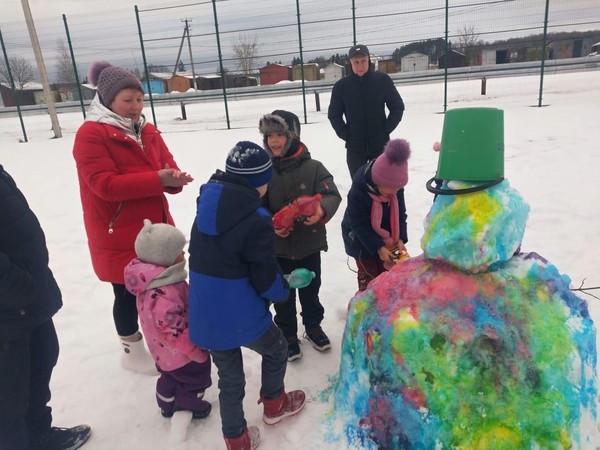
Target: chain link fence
(207, 50)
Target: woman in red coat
(124, 169)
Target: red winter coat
(119, 187)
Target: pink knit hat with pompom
(390, 169)
(110, 80)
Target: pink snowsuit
(162, 303)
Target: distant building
(414, 62)
(158, 82)
(453, 58)
(68, 92)
(184, 81)
(40, 98)
(180, 82)
(493, 56)
(31, 94)
(571, 48)
(208, 82)
(374, 60)
(311, 72)
(274, 73)
(237, 81)
(387, 66)
(88, 91)
(333, 72)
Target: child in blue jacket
(234, 276)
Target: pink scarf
(377, 216)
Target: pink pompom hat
(390, 169)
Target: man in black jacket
(29, 297)
(357, 109)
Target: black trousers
(356, 159)
(312, 310)
(26, 366)
(125, 312)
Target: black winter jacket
(298, 174)
(29, 294)
(360, 240)
(357, 111)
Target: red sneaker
(248, 440)
(287, 404)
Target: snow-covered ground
(552, 159)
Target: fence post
(12, 86)
(483, 85)
(301, 59)
(543, 54)
(183, 113)
(77, 82)
(317, 101)
(221, 69)
(146, 73)
(353, 23)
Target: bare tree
(245, 49)
(468, 39)
(64, 65)
(22, 71)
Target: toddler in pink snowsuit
(157, 277)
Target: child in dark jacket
(157, 277)
(374, 223)
(234, 276)
(295, 174)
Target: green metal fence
(465, 43)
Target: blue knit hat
(250, 161)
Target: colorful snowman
(473, 344)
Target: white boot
(135, 357)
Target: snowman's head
(474, 232)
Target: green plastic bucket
(472, 147)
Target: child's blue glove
(299, 278)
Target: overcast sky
(12, 9)
(107, 29)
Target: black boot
(62, 438)
(294, 351)
(317, 337)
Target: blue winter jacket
(360, 239)
(234, 273)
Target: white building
(333, 72)
(414, 62)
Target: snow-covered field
(552, 159)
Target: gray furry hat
(159, 243)
(280, 121)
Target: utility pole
(41, 68)
(179, 52)
(187, 30)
